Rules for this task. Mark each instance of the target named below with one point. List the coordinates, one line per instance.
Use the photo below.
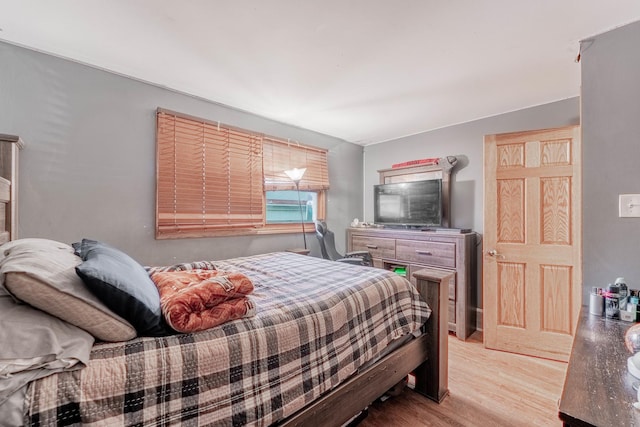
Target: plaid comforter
(317, 322)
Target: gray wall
(611, 156)
(464, 141)
(88, 169)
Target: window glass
(283, 206)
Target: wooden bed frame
(426, 356)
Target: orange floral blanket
(195, 300)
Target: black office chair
(328, 248)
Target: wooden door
(532, 280)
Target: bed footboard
(432, 377)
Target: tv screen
(417, 203)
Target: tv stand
(407, 251)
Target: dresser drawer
(431, 253)
(5, 190)
(378, 247)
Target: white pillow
(42, 273)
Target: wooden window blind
(280, 155)
(212, 178)
(209, 177)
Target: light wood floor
(487, 388)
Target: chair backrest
(327, 241)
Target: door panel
(511, 219)
(556, 297)
(556, 210)
(511, 286)
(532, 271)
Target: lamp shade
(295, 174)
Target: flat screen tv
(408, 204)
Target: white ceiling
(362, 70)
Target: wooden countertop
(598, 390)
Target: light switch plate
(629, 205)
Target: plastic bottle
(624, 292)
(612, 302)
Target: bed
(326, 340)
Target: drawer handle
(423, 252)
(372, 247)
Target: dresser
(598, 389)
(407, 251)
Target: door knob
(493, 253)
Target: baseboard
(478, 319)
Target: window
(284, 207)
(282, 204)
(214, 179)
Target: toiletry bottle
(596, 302)
(612, 301)
(624, 292)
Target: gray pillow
(41, 273)
(123, 285)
